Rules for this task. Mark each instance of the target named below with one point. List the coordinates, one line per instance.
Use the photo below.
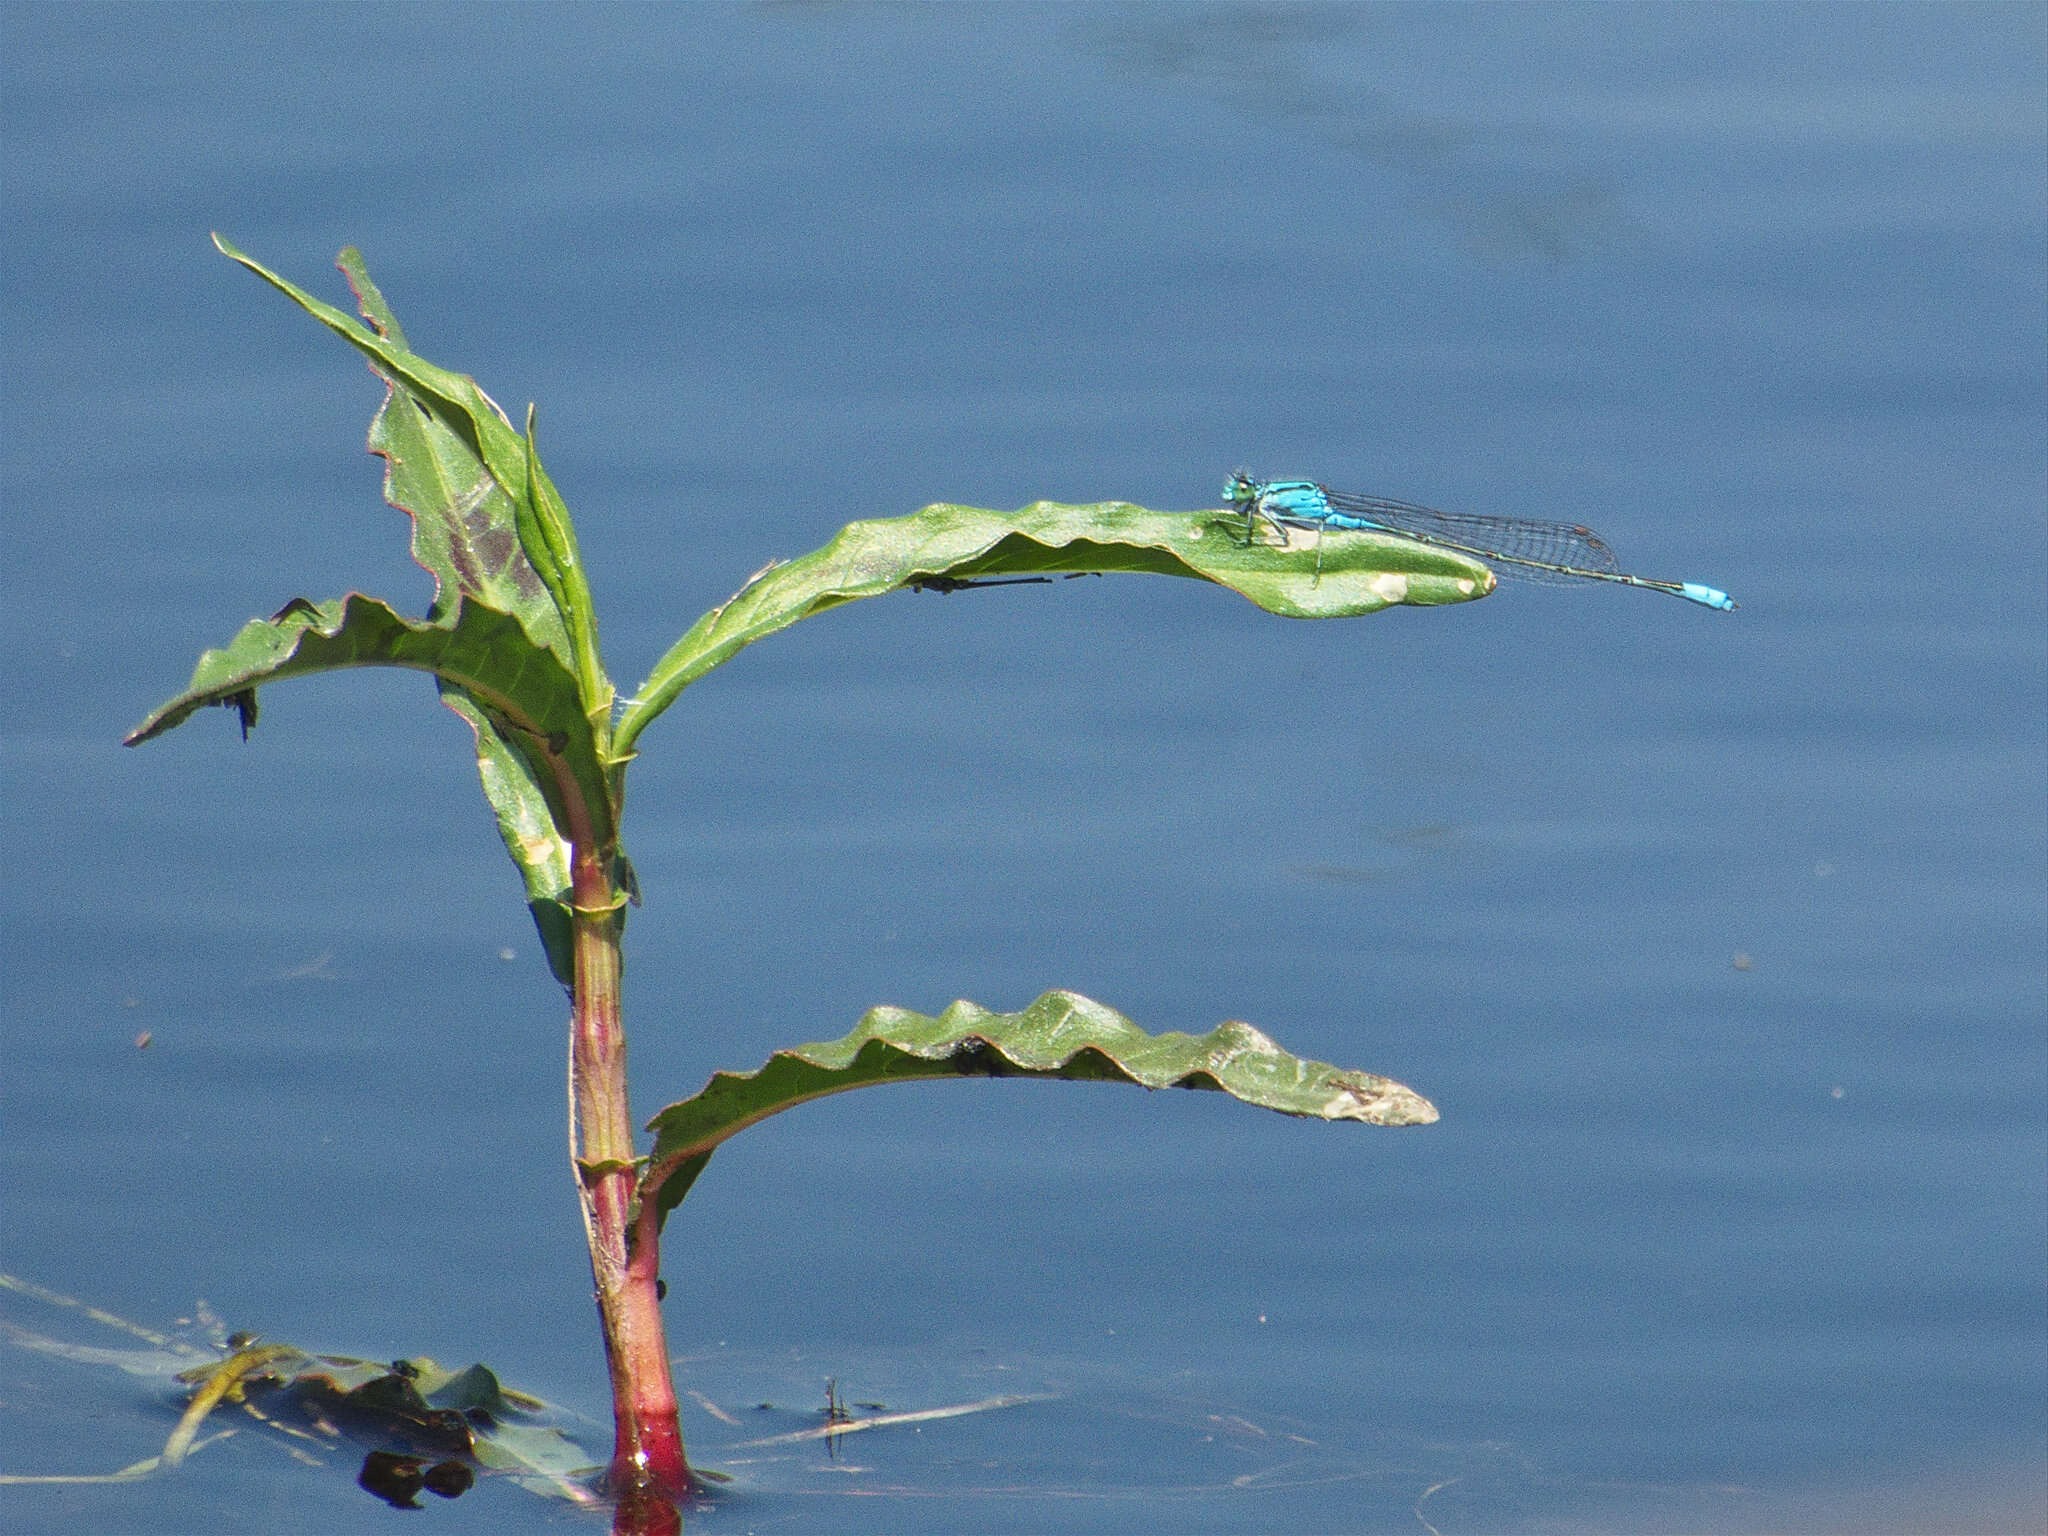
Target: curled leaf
(519, 687)
(945, 546)
(1061, 1035)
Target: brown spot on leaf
(496, 547)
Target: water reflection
(1505, 193)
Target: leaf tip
(1376, 1101)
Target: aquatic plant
(511, 641)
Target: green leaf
(465, 528)
(468, 478)
(453, 399)
(1331, 576)
(520, 688)
(466, 533)
(1062, 1035)
(546, 529)
(526, 823)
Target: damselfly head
(1240, 488)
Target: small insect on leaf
(976, 1057)
(243, 704)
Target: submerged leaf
(1062, 1035)
(411, 1408)
(944, 546)
(312, 1404)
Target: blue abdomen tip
(1713, 597)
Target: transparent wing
(1537, 550)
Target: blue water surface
(1721, 941)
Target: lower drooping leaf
(1333, 576)
(1061, 1035)
(527, 826)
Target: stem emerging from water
(648, 1469)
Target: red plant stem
(648, 1469)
